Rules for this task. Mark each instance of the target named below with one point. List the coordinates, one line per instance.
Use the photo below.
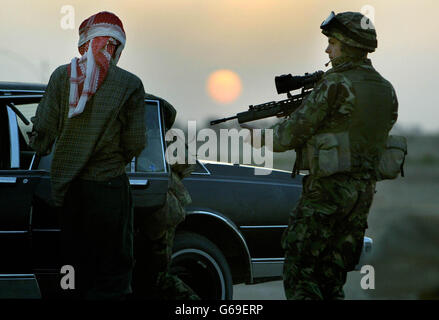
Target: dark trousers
(97, 237)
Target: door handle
(139, 183)
(11, 180)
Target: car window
(27, 155)
(28, 110)
(4, 139)
(152, 157)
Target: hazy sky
(174, 45)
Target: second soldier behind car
(155, 234)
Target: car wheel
(201, 265)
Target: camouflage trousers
(151, 276)
(325, 235)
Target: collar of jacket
(345, 63)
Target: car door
(17, 185)
(149, 172)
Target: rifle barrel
(268, 109)
(222, 120)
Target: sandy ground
(404, 224)
(274, 290)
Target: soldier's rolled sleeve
(133, 139)
(46, 119)
(302, 124)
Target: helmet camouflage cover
(351, 28)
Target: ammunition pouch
(329, 153)
(392, 160)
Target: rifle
(283, 108)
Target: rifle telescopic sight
(286, 82)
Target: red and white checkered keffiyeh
(101, 38)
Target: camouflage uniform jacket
(329, 107)
(97, 144)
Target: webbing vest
(357, 143)
(371, 119)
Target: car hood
(239, 171)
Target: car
(231, 233)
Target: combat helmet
(352, 29)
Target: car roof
(26, 92)
(21, 86)
(21, 92)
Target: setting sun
(224, 86)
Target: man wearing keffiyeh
(93, 113)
